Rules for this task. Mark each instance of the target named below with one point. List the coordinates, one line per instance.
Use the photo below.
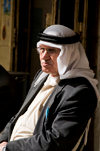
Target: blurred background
(21, 20)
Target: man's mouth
(45, 63)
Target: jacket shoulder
(76, 82)
(80, 89)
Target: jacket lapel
(31, 95)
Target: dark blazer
(71, 104)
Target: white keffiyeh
(72, 60)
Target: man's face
(48, 59)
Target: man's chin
(45, 70)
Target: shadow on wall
(13, 89)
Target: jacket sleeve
(5, 134)
(64, 125)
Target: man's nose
(45, 54)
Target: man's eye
(50, 50)
(42, 49)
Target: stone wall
(5, 33)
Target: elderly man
(61, 101)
